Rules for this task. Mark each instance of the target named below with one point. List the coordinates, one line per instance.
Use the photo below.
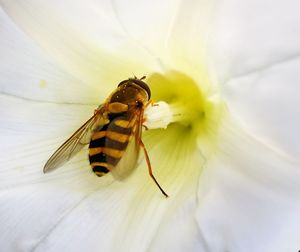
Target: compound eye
(142, 85)
(122, 83)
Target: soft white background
(55, 54)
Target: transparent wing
(130, 157)
(76, 142)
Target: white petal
(25, 71)
(34, 203)
(174, 31)
(267, 104)
(29, 213)
(86, 40)
(30, 132)
(247, 36)
(148, 23)
(179, 231)
(255, 48)
(187, 39)
(248, 198)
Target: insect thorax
(130, 94)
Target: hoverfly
(113, 133)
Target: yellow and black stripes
(109, 143)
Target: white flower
(232, 172)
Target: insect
(113, 133)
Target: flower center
(196, 109)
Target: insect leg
(150, 169)
(151, 102)
(146, 128)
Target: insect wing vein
(74, 144)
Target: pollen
(158, 115)
(194, 107)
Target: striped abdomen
(108, 144)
